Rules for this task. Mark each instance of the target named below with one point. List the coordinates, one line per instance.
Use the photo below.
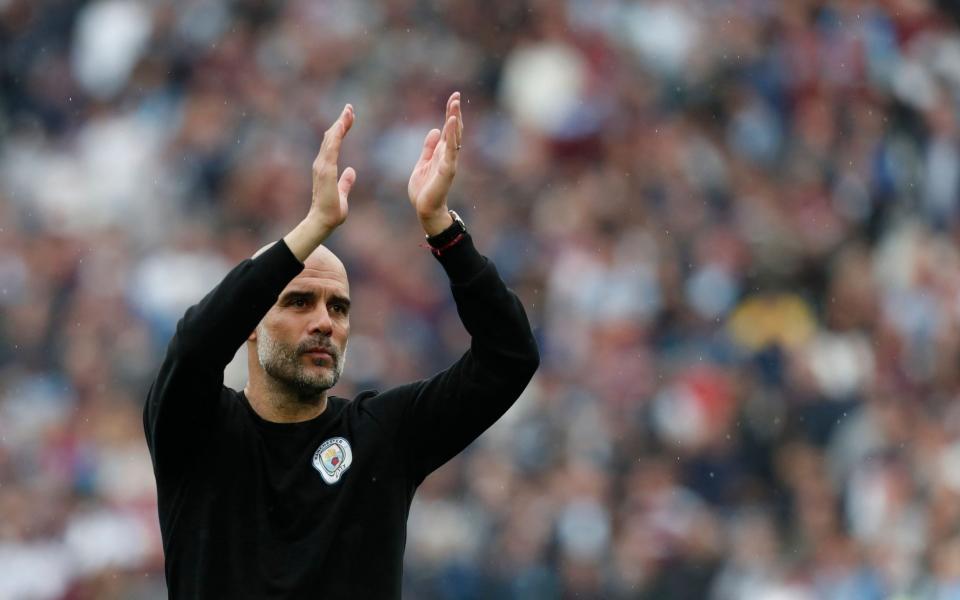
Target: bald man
(283, 387)
(281, 490)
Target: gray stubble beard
(283, 364)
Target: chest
(348, 468)
(294, 508)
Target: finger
(456, 112)
(330, 146)
(347, 179)
(333, 137)
(453, 98)
(452, 106)
(449, 136)
(341, 126)
(429, 145)
(347, 116)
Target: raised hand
(433, 174)
(328, 208)
(329, 205)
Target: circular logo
(332, 459)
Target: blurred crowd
(735, 225)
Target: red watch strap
(439, 251)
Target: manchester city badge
(332, 459)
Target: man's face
(301, 342)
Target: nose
(320, 322)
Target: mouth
(317, 354)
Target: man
(281, 491)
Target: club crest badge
(332, 459)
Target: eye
(339, 308)
(299, 302)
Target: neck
(278, 404)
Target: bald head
(322, 258)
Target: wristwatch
(448, 235)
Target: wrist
(436, 223)
(449, 237)
(319, 226)
(306, 236)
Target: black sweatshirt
(246, 510)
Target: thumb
(347, 179)
(429, 144)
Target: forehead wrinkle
(328, 272)
(327, 280)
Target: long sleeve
(438, 417)
(182, 403)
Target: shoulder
(386, 407)
(338, 406)
(360, 403)
(234, 407)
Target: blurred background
(734, 225)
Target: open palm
(433, 174)
(329, 204)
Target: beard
(285, 365)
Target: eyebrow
(292, 295)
